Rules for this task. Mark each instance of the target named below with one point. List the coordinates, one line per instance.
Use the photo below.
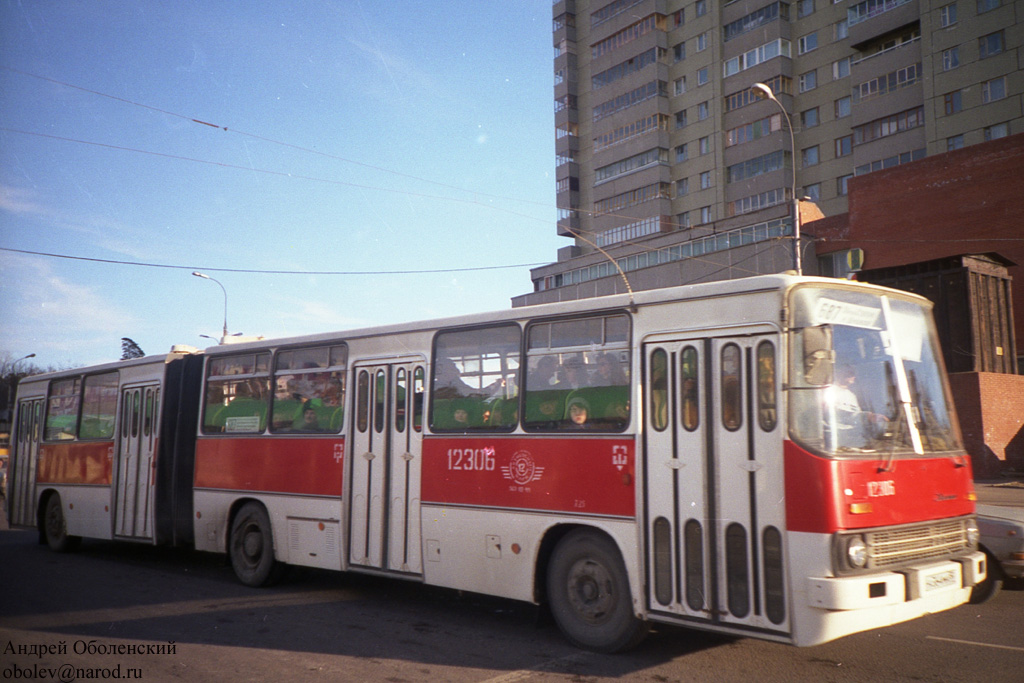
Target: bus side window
(767, 411)
(62, 410)
(690, 389)
(731, 393)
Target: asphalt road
(157, 614)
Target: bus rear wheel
(588, 593)
(252, 547)
(55, 527)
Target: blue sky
(345, 136)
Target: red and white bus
(774, 457)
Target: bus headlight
(973, 535)
(856, 552)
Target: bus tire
(588, 594)
(251, 547)
(55, 527)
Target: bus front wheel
(588, 592)
(252, 547)
(55, 527)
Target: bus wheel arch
(587, 590)
(53, 527)
(250, 545)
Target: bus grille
(900, 546)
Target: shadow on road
(110, 591)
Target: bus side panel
(578, 475)
(74, 462)
(496, 552)
(258, 464)
(175, 462)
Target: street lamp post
(766, 92)
(207, 277)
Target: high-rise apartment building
(671, 164)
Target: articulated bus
(775, 457)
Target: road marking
(971, 642)
(550, 666)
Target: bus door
(21, 470)
(136, 446)
(384, 526)
(713, 450)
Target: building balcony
(872, 19)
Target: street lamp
(763, 91)
(207, 277)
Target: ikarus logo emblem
(522, 469)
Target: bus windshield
(866, 375)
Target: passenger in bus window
(448, 381)
(307, 420)
(574, 373)
(609, 372)
(578, 412)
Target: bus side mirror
(817, 347)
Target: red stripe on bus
(824, 495)
(75, 462)
(303, 466)
(573, 475)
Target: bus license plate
(940, 580)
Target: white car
(1002, 540)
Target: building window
(754, 130)
(813, 192)
(947, 15)
(756, 19)
(701, 7)
(751, 168)
(889, 125)
(843, 107)
(990, 45)
(843, 185)
(679, 52)
(705, 215)
(705, 145)
(681, 153)
(808, 81)
(988, 5)
(682, 187)
(702, 111)
(683, 219)
(805, 8)
(844, 146)
(679, 86)
(809, 118)
(841, 69)
(955, 142)
(951, 58)
(993, 90)
(758, 55)
(1000, 130)
(840, 29)
(807, 43)
(702, 42)
(705, 180)
(810, 156)
(681, 119)
(702, 76)
(953, 102)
